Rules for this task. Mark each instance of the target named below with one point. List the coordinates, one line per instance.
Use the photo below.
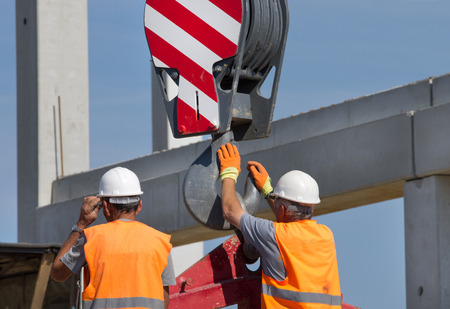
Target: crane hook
(202, 185)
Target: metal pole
(60, 137)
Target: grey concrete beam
(400, 100)
(440, 90)
(411, 97)
(431, 140)
(346, 162)
(149, 167)
(353, 167)
(357, 157)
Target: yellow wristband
(229, 172)
(267, 188)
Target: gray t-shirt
(75, 259)
(261, 234)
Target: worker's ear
(139, 208)
(284, 208)
(280, 210)
(106, 209)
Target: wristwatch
(77, 229)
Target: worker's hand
(89, 211)
(262, 179)
(230, 162)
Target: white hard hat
(119, 182)
(299, 187)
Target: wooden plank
(42, 280)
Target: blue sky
(336, 50)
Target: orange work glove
(230, 162)
(262, 179)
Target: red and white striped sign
(190, 36)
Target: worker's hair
(126, 208)
(297, 211)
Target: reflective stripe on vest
(302, 297)
(130, 302)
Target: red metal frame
(220, 279)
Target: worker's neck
(131, 217)
(123, 216)
(285, 220)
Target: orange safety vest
(126, 260)
(309, 256)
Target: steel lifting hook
(202, 186)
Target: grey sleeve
(261, 234)
(75, 259)
(168, 275)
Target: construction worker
(298, 256)
(129, 263)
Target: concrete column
(427, 245)
(52, 101)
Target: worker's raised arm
(230, 167)
(231, 207)
(262, 181)
(60, 272)
(88, 214)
